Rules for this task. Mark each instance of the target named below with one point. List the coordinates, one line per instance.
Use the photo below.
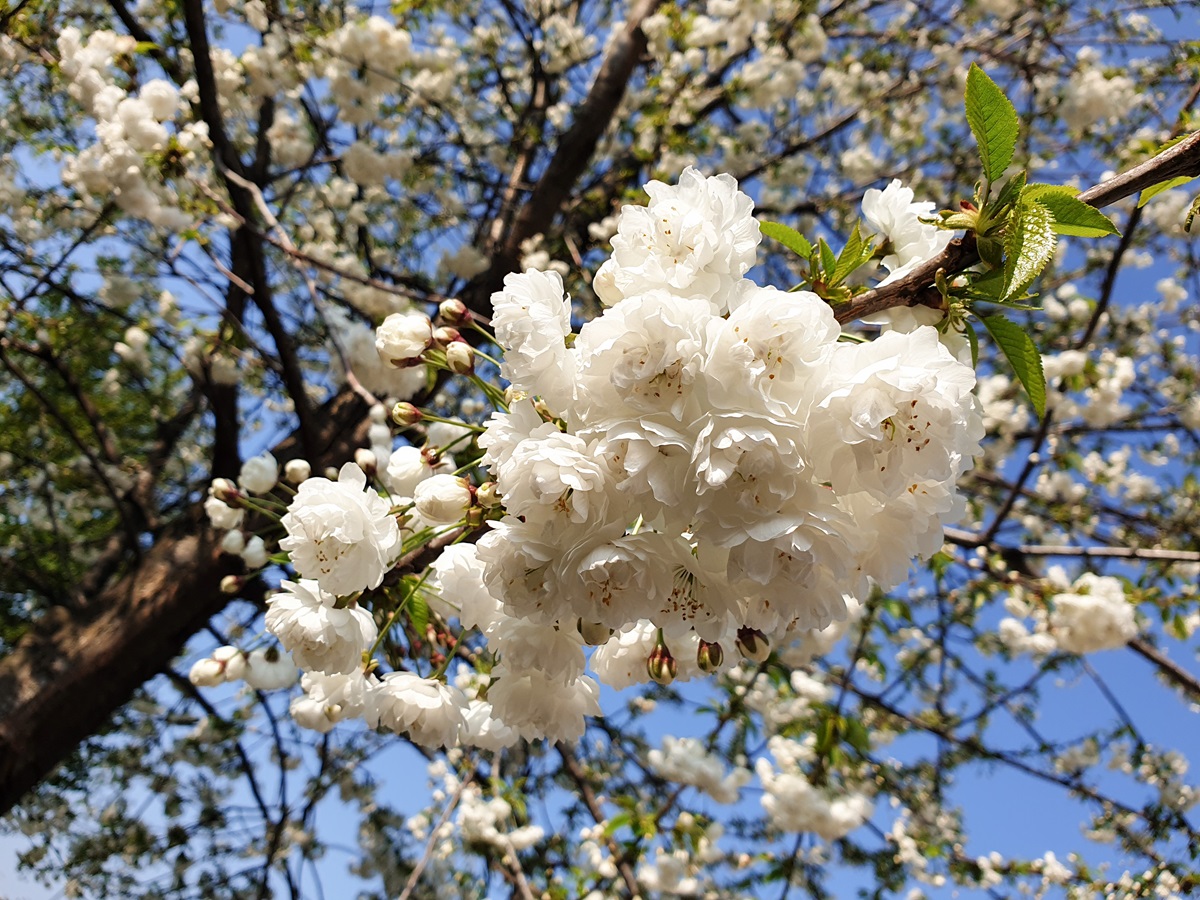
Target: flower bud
(365, 459)
(255, 553)
(234, 542)
(593, 633)
(454, 312)
(259, 474)
(297, 470)
(402, 338)
(231, 584)
(406, 414)
(753, 644)
(460, 358)
(443, 499)
(225, 491)
(709, 657)
(487, 496)
(661, 666)
(207, 673)
(377, 414)
(445, 336)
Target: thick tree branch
(574, 152)
(69, 673)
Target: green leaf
(828, 260)
(1071, 216)
(788, 236)
(852, 256)
(857, 736)
(418, 612)
(1155, 189)
(1011, 190)
(993, 120)
(1018, 348)
(1029, 242)
(973, 340)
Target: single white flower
(532, 318)
(894, 214)
(458, 587)
(319, 636)
(537, 706)
(341, 532)
(269, 670)
(254, 553)
(220, 513)
(429, 712)
(695, 239)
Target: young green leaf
(1011, 191)
(1155, 189)
(852, 256)
(828, 260)
(973, 341)
(1029, 242)
(1191, 216)
(993, 120)
(788, 236)
(418, 612)
(1018, 348)
(1071, 216)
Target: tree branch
(67, 675)
(1182, 159)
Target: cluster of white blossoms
(707, 465)
(128, 129)
(1085, 616)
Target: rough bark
(71, 671)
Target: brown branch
(1182, 159)
(66, 676)
(588, 795)
(574, 152)
(1168, 668)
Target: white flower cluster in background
(1086, 616)
(707, 464)
(129, 129)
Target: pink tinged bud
(225, 491)
(233, 660)
(709, 657)
(406, 414)
(454, 312)
(445, 336)
(753, 644)
(297, 470)
(460, 358)
(366, 460)
(231, 584)
(661, 666)
(593, 633)
(207, 673)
